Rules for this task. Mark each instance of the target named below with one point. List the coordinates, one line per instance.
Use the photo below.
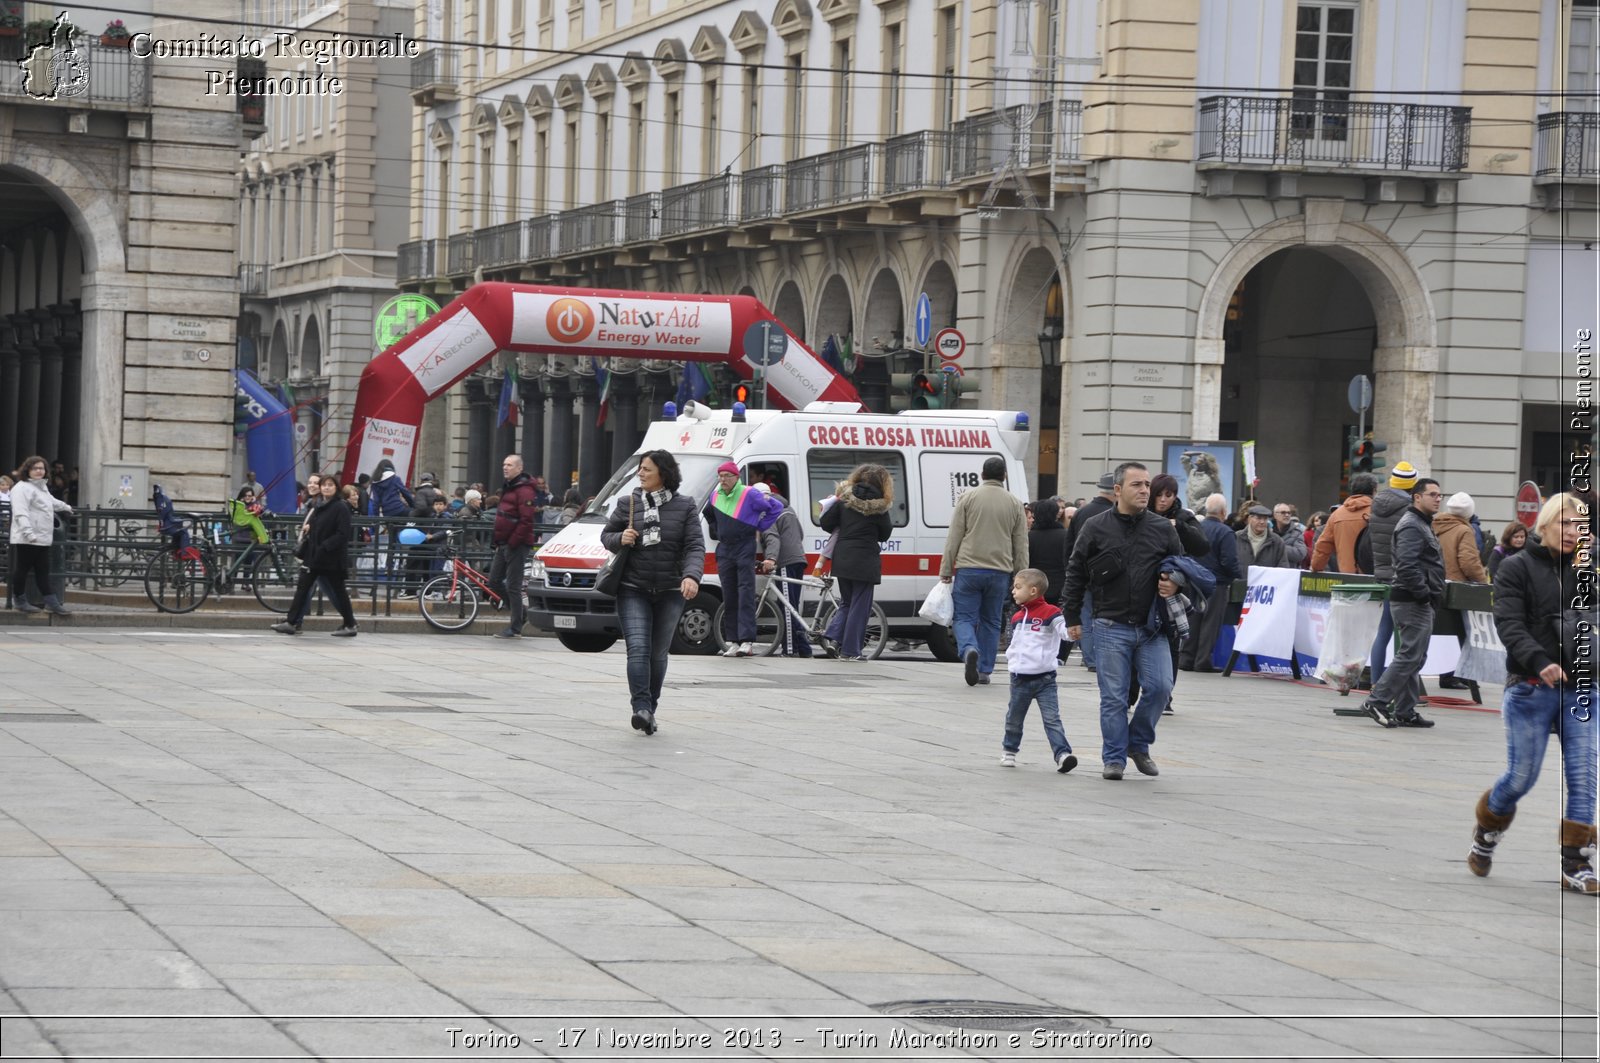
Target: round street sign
(399, 316)
(1360, 393)
(950, 344)
(765, 343)
(1528, 502)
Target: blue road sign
(765, 344)
(924, 330)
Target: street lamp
(1050, 344)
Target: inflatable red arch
(492, 317)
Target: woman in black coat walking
(1047, 546)
(324, 555)
(666, 558)
(862, 520)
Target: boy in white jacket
(1037, 630)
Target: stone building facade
(118, 294)
(1153, 220)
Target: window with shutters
(1324, 68)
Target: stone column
(70, 321)
(27, 387)
(10, 380)
(480, 430)
(592, 470)
(624, 417)
(532, 388)
(558, 452)
(1402, 403)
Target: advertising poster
(1203, 469)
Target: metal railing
(700, 205)
(761, 193)
(417, 260)
(458, 254)
(1335, 133)
(587, 228)
(498, 245)
(831, 178)
(641, 218)
(1568, 145)
(86, 73)
(539, 237)
(253, 278)
(915, 161)
(436, 66)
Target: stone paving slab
(412, 845)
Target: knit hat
(1404, 477)
(728, 466)
(1461, 505)
(473, 496)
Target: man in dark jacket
(1104, 502)
(1119, 554)
(1388, 506)
(784, 548)
(1258, 544)
(1223, 562)
(512, 538)
(1417, 590)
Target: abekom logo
(569, 320)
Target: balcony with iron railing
(1331, 134)
(253, 278)
(86, 75)
(895, 172)
(1567, 148)
(434, 76)
(418, 260)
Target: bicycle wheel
(873, 640)
(273, 575)
(448, 604)
(769, 627)
(177, 584)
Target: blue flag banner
(269, 440)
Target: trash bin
(1352, 628)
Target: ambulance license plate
(566, 621)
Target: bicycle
(449, 601)
(179, 579)
(109, 559)
(773, 607)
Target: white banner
(1267, 620)
(652, 328)
(387, 439)
(1483, 656)
(451, 350)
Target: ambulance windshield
(699, 475)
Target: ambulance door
(825, 468)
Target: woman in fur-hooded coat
(862, 521)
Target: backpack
(1364, 551)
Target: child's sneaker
(1066, 762)
(1008, 760)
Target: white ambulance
(933, 455)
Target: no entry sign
(1528, 502)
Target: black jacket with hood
(1388, 506)
(1417, 561)
(862, 520)
(1119, 558)
(1541, 604)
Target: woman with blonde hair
(1545, 613)
(861, 518)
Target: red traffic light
(741, 393)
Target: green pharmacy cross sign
(399, 316)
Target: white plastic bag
(1347, 639)
(940, 608)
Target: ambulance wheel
(942, 642)
(586, 641)
(697, 632)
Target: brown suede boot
(1577, 845)
(1486, 836)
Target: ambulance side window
(775, 474)
(946, 476)
(825, 468)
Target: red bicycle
(449, 601)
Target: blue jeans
(1026, 689)
(979, 596)
(1122, 649)
(1086, 637)
(648, 624)
(1529, 712)
(1380, 645)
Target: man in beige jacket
(988, 542)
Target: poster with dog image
(1203, 469)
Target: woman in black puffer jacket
(862, 520)
(1047, 546)
(324, 555)
(1545, 614)
(666, 559)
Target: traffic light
(741, 393)
(955, 386)
(1369, 455)
(913, 391)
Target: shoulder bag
(608, 580)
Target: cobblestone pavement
(398, 846)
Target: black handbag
(608, 580)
